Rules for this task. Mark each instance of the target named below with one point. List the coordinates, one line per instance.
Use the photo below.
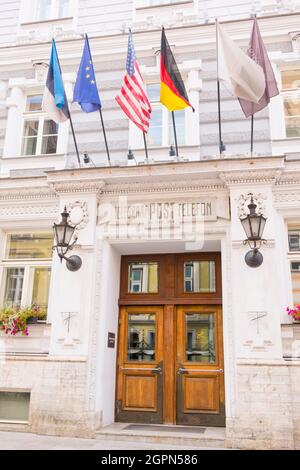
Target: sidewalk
(28, 441)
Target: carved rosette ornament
(244, 200)
(79, 214)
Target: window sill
(31, 157)
(42, 22)
(170, 5)
(12, 421)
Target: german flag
(173, 94)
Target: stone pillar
(263, 416)
(72, 293)
(14, 103)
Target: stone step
(195, 437)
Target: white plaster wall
(108, 322)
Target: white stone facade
(67, 366)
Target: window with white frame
(52, 9)
(26, 269)
(40, 134)
(161, 131)
(294, 259)
(291, 101)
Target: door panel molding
(200, 385)
(139, 382)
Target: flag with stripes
(132, 97)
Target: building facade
(164, 322)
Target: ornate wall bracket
(244, 199)
(79, 214)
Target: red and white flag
(132, 97)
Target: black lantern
(254, 225)
(63, 235)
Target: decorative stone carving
(244, 200)
(40, 69)
(23, 211)
(154, 187)
(69, 331)
(79, 214)
(258, 332)
(77, 187)
(251, 176)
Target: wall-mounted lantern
(65, 240)
(253, 225)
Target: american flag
(132, 97)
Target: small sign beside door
(111, 340)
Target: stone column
(72, 293)
(263, 418)
(14, 103)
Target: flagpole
(175, 134)
(221, 144)
(70, 117)
(145, 145)
(252, 134)
(74, 137)
(104, 134)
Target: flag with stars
(132, 97)
(86, 91)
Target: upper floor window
(40, 134)
(26, 269)
(291, 101)
(161, 126)
(51, 9)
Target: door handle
(181, 370)
(157, 370)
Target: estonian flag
(172, 90)
(55, 101)
(85, 91)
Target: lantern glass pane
(68, 234)
(246, 225)
(262, 226)
(60, 232)
(255, 223)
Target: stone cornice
(34, 194)
(289, 179)
(186, 186)
(79, 186)
(252, 177)
(274, 28)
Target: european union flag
(85, 91)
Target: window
(143, 278)
(52, 9)
(295, 270)
(199, 276)
(200, 337)
(40, 134)
(294, 259)
(161, 126)
(291, 101)
(294, 240)
(141, 337)
(14, 406)
(27, 269)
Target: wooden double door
(170, 365)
